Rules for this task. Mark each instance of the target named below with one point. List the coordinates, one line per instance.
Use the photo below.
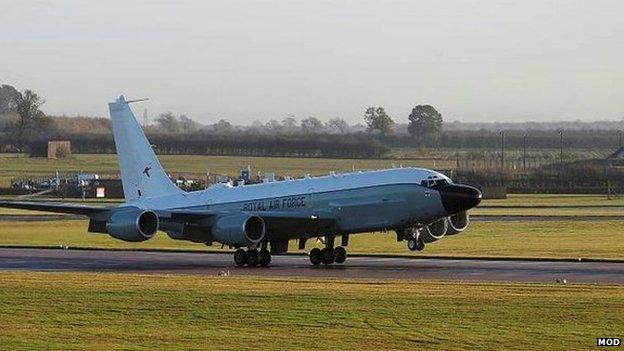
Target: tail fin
(142, 176)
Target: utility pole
(561, 148)
(524, 140)
(502, 144)
(502, 171)
(620, 132)
(145, 118)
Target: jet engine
(239, 230)
(132, 224)
(434, 231)
(457, 223)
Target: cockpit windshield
(434, 183)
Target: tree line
(330, 146)
(23, 124)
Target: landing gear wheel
(415, 244)
(264, 258)
(315, 256)
(328, 256)
(252, 258)
(341, 254)
(240, 258)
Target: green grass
(617, 212)
(552, 205)
(554, 200)
(14, 165)
(557, 239)
(67, 311)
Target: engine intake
(132, 224)
(239, 230)
(458, 222)
(434, 231)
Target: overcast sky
(247, 60)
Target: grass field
(14, 165)
(66, 311)
(554, 200)
(595, 239)
(552, 205)
(17, 165)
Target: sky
(475, 61)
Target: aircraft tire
(252, 258)
(341, 254)
(328, 256)
(240, 258)
(264, 258)
(420, 245)
(415, 244)
(315, 256)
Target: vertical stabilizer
(142, 175)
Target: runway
(371, 267)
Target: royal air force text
(276, 204)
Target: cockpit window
(434, 183)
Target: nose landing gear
(415, 244)
(414, 241)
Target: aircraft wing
(286, 220)
(55, 207)
(272, 219)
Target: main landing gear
(252, 257)
(328, 254)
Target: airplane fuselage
(358, 201)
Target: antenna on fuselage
(137, 100)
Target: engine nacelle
(434, 231)
(132, 224)
(239, 230)
(457, 223)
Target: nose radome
(459, 198)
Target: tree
(222, 126)
(290, 124)
(378, 120)
(8, 98)
(188, 125)
(311, 125)
(29, 116)
(337, 125)
(425, 124)
(274, 126)
(168, 123)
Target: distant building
(59, 149)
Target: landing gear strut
(252, 257)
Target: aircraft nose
(459, 198)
